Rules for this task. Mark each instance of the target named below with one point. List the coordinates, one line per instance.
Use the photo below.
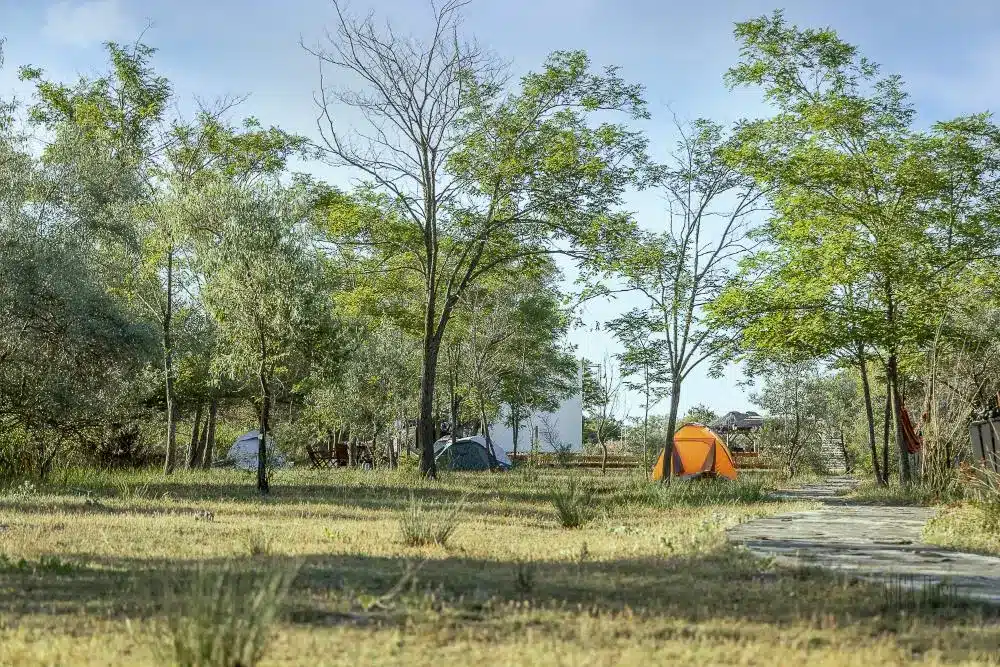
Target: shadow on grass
(727, 584)
(357, 491)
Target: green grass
(916, 494)
(966, 526)
(649, 579)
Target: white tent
(498, 451)
(243, 453)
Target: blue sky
(948, 52)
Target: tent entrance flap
(697, 452)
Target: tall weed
(223, 617)
(574, 504)
(420, 527)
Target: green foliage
(847, 269)
(701, 414)
(487, 175)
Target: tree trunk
(604, 455)
(425, 423)
(796, 444)
(892, 382)
(263, 484)
(208, 456)
(170, 460)
(645, 430)
(869, 415)
(885, 433)
(202, 439)
(515, 420)
(494, 464)
(192, 452)
(668, 446)
(453, 403)
(897, 412)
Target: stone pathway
(867, 541)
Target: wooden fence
(743, 461)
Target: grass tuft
(524, 576)
(915, 493)
(909, 593)
(223, 617)
(420, 527)
(574, 504)
(130, 492)
(260, 542)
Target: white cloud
(86, 23)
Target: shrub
(23, 491)
(419, 527)
(574, 505)
(223, 617)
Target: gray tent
(465, 454)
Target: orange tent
(698, 451)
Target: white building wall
(565, 425)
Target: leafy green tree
(513, 341)
(643, 362)
(790, 395)
(67, 350)
(471, 174)
(126, 169)
(701, 414)
(867, 216)
(268, 293)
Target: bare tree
(684, 268)
(459, 169)
(602, 399)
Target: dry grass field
(135, 569)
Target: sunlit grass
(648, 580)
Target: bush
(123, 447)
(223, 617)
(419, 527)
(16, 462)
(574, 505)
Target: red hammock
(913, 441)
